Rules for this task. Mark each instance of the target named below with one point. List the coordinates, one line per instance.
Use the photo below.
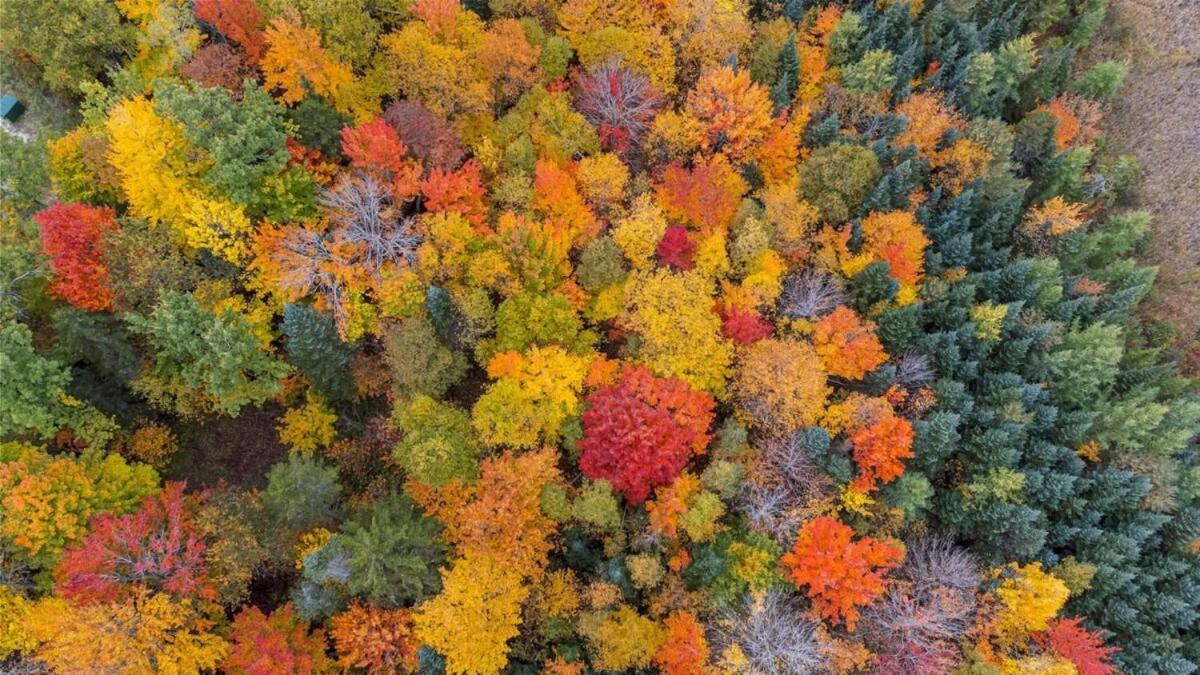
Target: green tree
(872, 73)
(438, 444)
(314, 347)
(73, 42)
(204, 360)
(1085, 364)
(420, 363)
(244, 139)
(303, 493)
(837, 178)
(36, 399)
(393, 553)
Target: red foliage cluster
(157, 547)
(1070, 640)
(841, 574)
(676, 248)
(878, 451)
(915, 657)
(376, 147)
(238, 20)
(459, 190)
(744, 326)
(279, 643)
(618, 103)
(639, 433)
(428, 137)
(71, 236)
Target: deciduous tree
(841, 574)
(639, 433)
(71, 235)
(159, 547)
(735, 112)
(144, 632)
(477, 613)
(275, 643)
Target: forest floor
(234, 450)
(1156, 117)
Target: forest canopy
(583, 336)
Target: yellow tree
(436, 60)
(295, 60)
(681, 334)
(145, 633)
(160, 179)
(533, 396)
(474, 617)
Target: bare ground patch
(1156, 117)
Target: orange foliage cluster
(841, 574)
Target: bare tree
(809, 293)
(362, 211)
(775, 634)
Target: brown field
(1156, 117)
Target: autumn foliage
(72, 235)
(1083, 648)
(847, 345)
(157, 547)
(841, 574)
(582, 336)
(374, 639)
(279, 642)
(640, 432)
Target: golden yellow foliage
(14, 611)
(146, 633)
(638, 233)
(781, 385)
(1029, 599)
(308, 427)
(478, 611)
(625, 640)
(681, 335)
(160, 180)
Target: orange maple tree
(879, 450)
(705, 198)
(847, 345)
(841, 574)
(238, 20)
(375, 639)
(500, 514)
(684, 651)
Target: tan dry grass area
(1156, 117)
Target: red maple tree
(71, 236)
(238, 20)
(639, 433)
(1082, 647)
(459, 190)
(279, 643)
(376, 148)
(157, 547)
